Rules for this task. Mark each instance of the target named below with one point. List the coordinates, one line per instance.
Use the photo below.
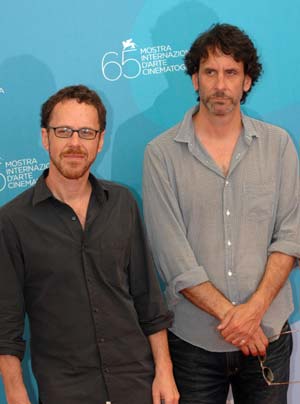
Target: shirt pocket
(259, 201)
(113, 262)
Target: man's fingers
(226, 320)
(245, 350)
(156, 400)
(253, 349)
(257, 344)
(262, 342)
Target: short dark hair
(78, 92)
(230, 40)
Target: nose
(75, 139)
(220, 81)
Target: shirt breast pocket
(259, 201)
(113, 261)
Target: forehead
(71, 112)
(216, 58)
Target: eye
(86, 131)
(63, 131)
(210, 72)
(231, 72)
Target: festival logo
(2, 177)
(133, 61)
(2, 90)
(22, 173)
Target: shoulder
(174, 140)
(115, 190)
(165, 139)
(271, 138)
(112, 186)
(264, 129)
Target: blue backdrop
(131, 53)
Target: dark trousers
(204, 377)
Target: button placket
(230, 276)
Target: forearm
(278, 268)
(164, 387)
(208, 298)
(11, 372)
(160, 350)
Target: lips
(217, 97)
(75, 155)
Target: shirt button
(238, 156)
(101, 340)
(106, 370)
(95, 310)
(226, 182)
(229, 243)
(229, 273)
(73, 218)
(234, 303)
(227, 212)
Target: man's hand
(164, 387)
(256, 345)
(241, 323)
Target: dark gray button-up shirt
(91, 295)
(204, 225)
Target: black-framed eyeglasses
(65, 132)
(267, 372)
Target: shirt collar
(185, 130)
(186, 133)
(249, 130)
(42, 192)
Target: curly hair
(78, 92)
(230, 40)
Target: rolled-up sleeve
(286, 235)
(11, 296)
(174, 258)
(149, 304)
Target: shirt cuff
(188, 279)
(286, 247)
(8, 348)
(160, 323)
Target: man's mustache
(74, 151)
(219, 94)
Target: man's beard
(219, 103)
(72, 170)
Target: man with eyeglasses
(221, 205)
(74, 258)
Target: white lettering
(21, 184)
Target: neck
(68, 190)
(217, 126)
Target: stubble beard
(72, 170)
(219, 103)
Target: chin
(73, 174)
